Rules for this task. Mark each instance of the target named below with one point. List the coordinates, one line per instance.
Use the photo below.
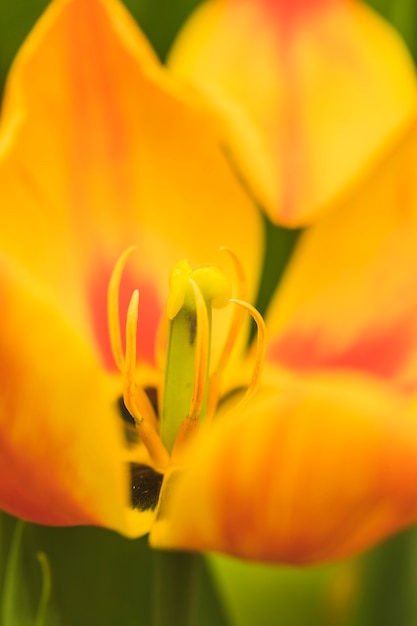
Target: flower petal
(61, 450)
(349, 297)
(314, 471)
(100, 149)
(309, 92)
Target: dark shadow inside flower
(146, 486)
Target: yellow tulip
(101, 149)
(310, 94)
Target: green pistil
(179, 374)
(182, 350)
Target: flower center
(191, 387)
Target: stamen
(201, 354)
(133, 395)
(113, 309)
(237, 317)
(240, 274)
(260, 347)
(130, 357)
(234, 330)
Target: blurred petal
(99, 150)
(309, 92)
(60, 447)
(318, 470)
(349, 297)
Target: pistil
(192, 295)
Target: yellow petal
(349, 296)
(99, 150)
(309, 93)
(312, 471)
(61, 451)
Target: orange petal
(100, 149)
(309, 93)
(314, 471)
(61, 452)
(349, 297)
(62, 457)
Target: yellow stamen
(260, 347)
(134, 395)
(113, 309)
(130, 356)
(201, 354)
(237, 318)
(234, 330)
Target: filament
(113, 309)
(234, 330)
(135, 398)
(260, 347)
(202, 352)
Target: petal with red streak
(317, 470)
(309, 93)
(100, 149)
(62, 458)
(349, 296)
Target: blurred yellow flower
(310, 93)
(101, 149)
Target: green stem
(387, 592)
(175, 588)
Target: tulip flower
(310, 94)
(322, 463)
(129, 399)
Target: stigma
(191, 384)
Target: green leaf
(184, 594)
(279, 246)
(103, 579)
(387, 595)
(161, 19)
(16, 609)
(270, 595)
(42, 612)
(26, 582)
(212, 607)
(403, 16)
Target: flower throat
(191, 386)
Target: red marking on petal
(383, 353)
(289, 11)
(100, 139)
(150, 311)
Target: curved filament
(135, 399)
(113, 308)
(234, 330)
(260, 347)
